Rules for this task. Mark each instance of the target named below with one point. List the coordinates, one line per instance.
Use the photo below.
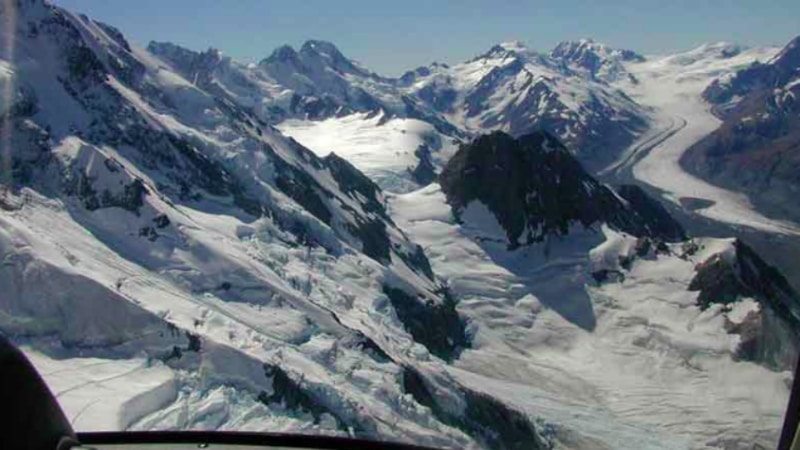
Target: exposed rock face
(536, 188)
(425, 172)
(290, 394)
(491, 422)
(767, 335)
(653, 220)
(757, 148)
(438, 327)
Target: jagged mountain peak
(327, 53)
(176, 51)
(422, 71)
(545, 191)
(321, 47)
(312, 59)
(283, 53)
(577, 49)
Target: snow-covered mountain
(513, 89)
(172, 260)
(755, 150)
(598, 60)
(316, 82)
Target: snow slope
(651, 370)
(672, 86)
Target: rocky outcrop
(437, 326)
(769, 335)
(290, 394)
(425, 172)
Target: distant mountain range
(508, 88)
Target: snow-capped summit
(313, 59)
(514, 46)
(789, 55)
(580, 48)
(323, 54)
(508, 51)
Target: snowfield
(631, 364)
(381, 147)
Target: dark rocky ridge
(424, 172)
(536, 188)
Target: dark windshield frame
(239, 438)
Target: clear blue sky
(392, 36)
